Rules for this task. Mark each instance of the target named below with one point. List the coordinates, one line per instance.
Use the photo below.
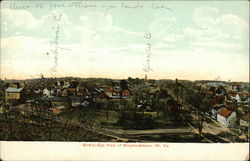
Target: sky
(192, 40)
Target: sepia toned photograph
(125, 71)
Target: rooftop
(14, 90)
(224, 112)
(218, 106)
(245, 117)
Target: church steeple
(146, 78)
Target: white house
(66, 84)
(247, 100)
(238, 98)
(46, 92)
(226, 117)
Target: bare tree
(201, 104)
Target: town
(127, 110)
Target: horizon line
(22, 79)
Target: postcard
(124, 80)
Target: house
(215, 110)
(58, 92)
(59, 101)
(108, 91)
(97, 94)
(210, 93)
(116, 92)
(247, 100)
(81, 90)
(72, 91)
(66, 84)
(125, 93)
(58, 109)
(15, 85)
(72, 88)
(47, 93)
(236, 87)
(172, 105)
(76, 101)
(79, 101)
(64, 92)
(111, 91)
(232, 95)
(237, 98)
(244, 122)
(226, 117)
(13, 93)
(59, 83)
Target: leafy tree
(107, 107)
(179, 91)
(131, 80)
(62, 83)
(234, 107)
(123, 85)
(138, 81)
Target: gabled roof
(224, 112)
(245, 117)
(14, 90)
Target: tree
(233, 124)
(178, 90)
(201, 105)
(155, 102)
(108, 103)
(203, 108)
(123, 85)
(62, 83)
(234, 107)
(131, 80)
